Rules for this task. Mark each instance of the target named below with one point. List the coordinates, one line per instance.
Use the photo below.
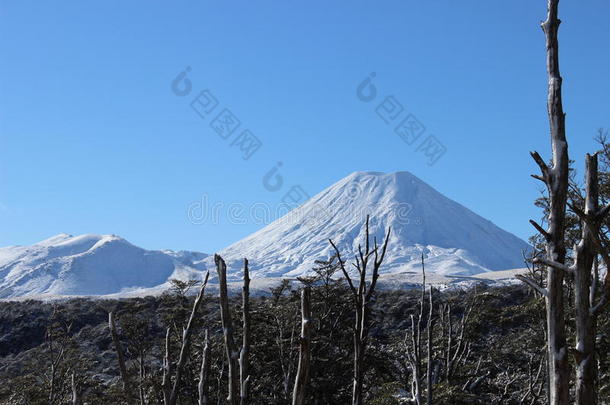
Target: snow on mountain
(453, 239)
(89, 265)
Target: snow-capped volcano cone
(453, 239)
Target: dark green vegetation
(488, 347)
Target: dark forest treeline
(495, 335)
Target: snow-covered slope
(89, 265)
(454, 240)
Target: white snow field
(456, 243)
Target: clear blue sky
(93, 140)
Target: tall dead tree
(244, 376)
(58, 341)
(586, 365)
(414, 347)
(142, 375)
(301, 381)
(556, 180)
(585, 284)
(285, 330)
(430, 371)
(120, 358)
(239, 381)
(227, 329)
(77, 398)
(204, 372)
(167, 369)
(186, 343)
(361, 298)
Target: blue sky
(94, 140)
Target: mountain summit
(453, 239)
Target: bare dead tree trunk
(413, 348)
(557, 183)
(301, 381)
(142, 375)
(204, 373)
(186, 343)
(359, 350)
(56, 358)
(244, 376)
(429, 360)
(447, 325)
(361, 298)
(76, 393)
(167, 369)
(120, 357)
(52, 384)
(586, 365)
(219, 382)
(556, 180)
(591, 244)
(227, 327)
(414, 356)
(285, 355)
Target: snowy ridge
(89, 265)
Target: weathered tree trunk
(204, 373)
(361, 298)
(227, 327)
(358, 357)
(558, 187)
(167, 369)
(447, 325)
(142, 375)
(585, 253)
(52, 385)
(219, 378)
(186, 343)
(120, 357)
(415, 360)
(56, 360)
(429, 360)
(301, 381)
(414, 347)
(556, 180)
(244, 376)
(76, 393)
